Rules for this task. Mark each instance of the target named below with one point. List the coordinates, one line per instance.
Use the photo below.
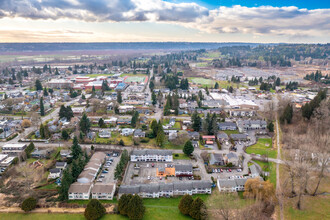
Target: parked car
(149, 177)
(229, 170)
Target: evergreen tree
(196, 121)
(42, 131)
(153, 98)
(75, 169)
(38, 85)
(50, 90)
(93, 91)
(278, 81)
(42, 108)
(188, 148)
(151, 85)
(287, 114)
(196, 208)
(29, 149)
(216, 86)
(65, 185)
(76, 149)
(105, 86)
(119, 98)
(123, 204)
(270, 126)
(84, 124)
(185, 204)
(136, 208)
(160, 135)
(65, 135)
(135, 119)
(101, 123)
(94, 210)
(45, 92)
(154, 127)
(29, 204)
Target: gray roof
(184, 167)
(149, 188)
(102, 188)
(55, 170)
(165, 187)
(238, 136)
(222, 135)
(202, 184)
(227, 183)
(152, 152)
(139, 132)
(227, 124)
(61, 164)
(129, 189)
(241, 182)
(231, 155)
(216, 158)
(254, 170)
(79, 187)
(182, 186)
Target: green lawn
(202, 81)
(169, 145)
(229, 132)
(50, 186)
(268, 167)
(159, 209)
(263, 147)
(177, 125)
(180, 157)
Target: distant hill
(24, 47)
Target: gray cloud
(263, 20)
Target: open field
(228, 132)
(202, 81)
(180, 157)
(263, 147)
(138, 79)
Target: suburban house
(61, 165)
(80, 191)
(194, 135)
(245, 125)
(127, 131)
(254, 171)
(152, 155)
(105, 133)
(242, 112)
(233, 185)
(223, 126)
(209, 139)
(123, 121)
(232, 158)
(13, 149)
(65, 153)
(222, 137)
(138, 133)
(195, 143)
(239, 137)
(216, 159)
(125, 108)
(167, 189)
(55, 173)
(103, 191)
(183, 170)
(41, 153)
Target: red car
(153, 165)
(229, 170)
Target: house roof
(184, 167)
(232, 155)
(182, 186)
(227, 183)
(80, 187)
(61, 164)
(222, 135)
(55, 170)
(103, 188)
(149, 188)
(127, 189)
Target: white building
(152, 155)
(103, 191)
(13, 149)
(80, 191)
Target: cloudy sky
(306, 21)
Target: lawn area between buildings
(229, 132)
(180, 157)
(202, 81)
(268, 167)
(264, 146)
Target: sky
(258, 21)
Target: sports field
(138, 79)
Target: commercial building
(13, 149)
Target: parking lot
(146, 172)
(108, 170)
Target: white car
(149, 177)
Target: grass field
(169, 145)
(202, 81)
(263, 147)
(268, 167)
(97, 75)
(180, 157)
(177, 125)
(159, 209)
(135, 78)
